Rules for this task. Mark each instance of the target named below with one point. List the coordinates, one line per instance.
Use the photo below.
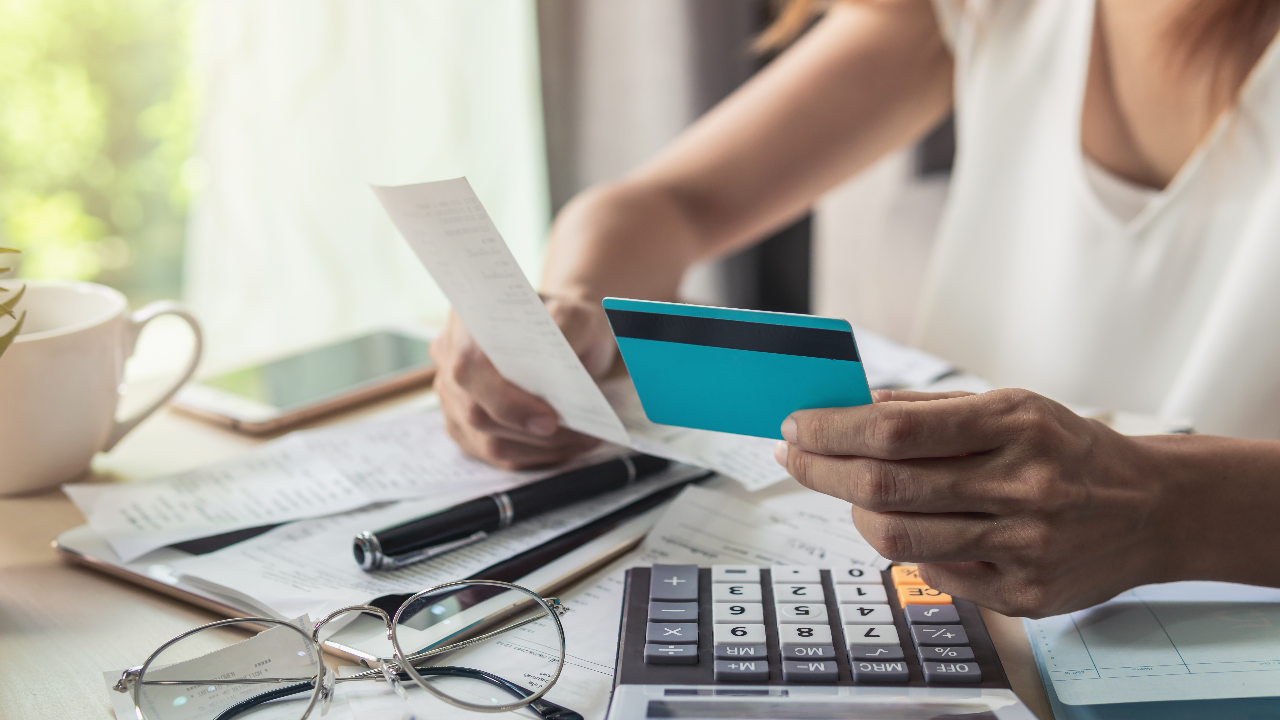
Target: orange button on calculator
(904, 575)
(922, 595)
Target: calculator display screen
(783, 710)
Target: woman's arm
(870, 77)
(1013, 501)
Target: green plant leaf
(6, 307)
(7, 339)
(6, 251)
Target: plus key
(674, 583)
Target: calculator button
(674, 583)
(856, 576)
(951, 672)
(791, 651)
(931, 614)
(794, 574)
(798, 634)
(671, 654)
(866, 614)
(871, 635)
(945, 654)
(740, 613)
(735, 574)
(871, 652)
(809, 671)
(922, 595)
(740, 652)
(904, 575)
(861, 594)
(738, 634)
(802, 613)
(870, 671)
(797, 592)
(673, 633)
(721, 592)
(939, 635)
(673, 612)
(742, 670)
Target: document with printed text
(448, 228)
(306, 474)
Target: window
(221, 150)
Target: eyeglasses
(451, 631)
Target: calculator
(803, 643)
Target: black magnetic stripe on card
(734, 334)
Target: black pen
(472, 521)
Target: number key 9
(737, 613)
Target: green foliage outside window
(96, 108)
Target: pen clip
(391, 562)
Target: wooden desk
(61, 626)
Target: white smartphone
(275, 395)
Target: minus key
(673, 612)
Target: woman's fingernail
(789, 429)
(543, 425)
(780, 452)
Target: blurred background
(219, 151)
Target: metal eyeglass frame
(392, 671)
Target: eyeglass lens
(206, 673)
(506, 641)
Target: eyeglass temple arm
(547, 709)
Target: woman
(1112, 239)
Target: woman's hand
(493, 420)
(1006, 498)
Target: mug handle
(137, 321)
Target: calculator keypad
(804, 624)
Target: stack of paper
(292, 570)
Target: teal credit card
(735, 371)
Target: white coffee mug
(62, 379)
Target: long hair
(1229, 35)
(1226, 35)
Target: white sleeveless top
(1162, 302)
